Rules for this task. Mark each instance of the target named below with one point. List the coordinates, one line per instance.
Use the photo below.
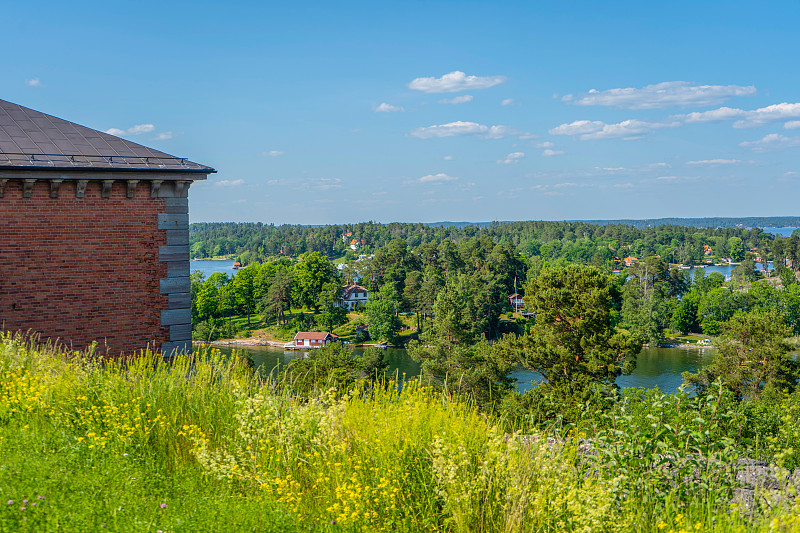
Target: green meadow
(202, 443)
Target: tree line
(577, 242)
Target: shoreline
(260, 341)
(684, 346)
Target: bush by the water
(201, 443)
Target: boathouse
(314, 339)
(94, 236)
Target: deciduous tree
(382, 308)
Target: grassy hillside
(200, 444)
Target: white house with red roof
(353, 296)
(314, 339)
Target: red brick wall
(81, 270)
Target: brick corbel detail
(155, 185)
(54, 186)
(80, 188)
(130, 190)
(105, 192)
(27, 187)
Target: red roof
(315, 335)
(348, 289)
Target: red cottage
(314, 339)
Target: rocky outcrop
(761, 485)
(758, 485)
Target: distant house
(237, 265)
(354, 244)
(353, 296)
(516, 302)
(630, 261)
(706, 249)
(314, 339)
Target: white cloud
(768, 114)
(454, 82)
(229, 183)
(321, 184)
(274, 153)
(387, 108)
(513, 157)
(507, 101)
(627, 129)
(436, 178)
(670, 179)
(141, 128)
(498, 132)
(457, 100)
(715, 162)
(448, 158)
(659, 95)
(164, 136)
(550, 153)
(579, 127)
(458, 128)
(553, 190)
(33, 82)
(133, 130)
(771, 142)
(747, 119)
(546, 144)
(715, 115)
(792, 125)
(309, 184)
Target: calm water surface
(656, 367)
(208, 267)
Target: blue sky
(325, 112)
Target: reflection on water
(727, 270)
(269, 358)
(655, 367)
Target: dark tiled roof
(33, 140)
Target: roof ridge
(33, 139)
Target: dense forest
(411, 267)
(580, 242)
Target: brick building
(94, 236)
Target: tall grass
(202, 444)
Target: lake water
(727, 270)
(656, 367)
(208, 267)
(781, 232)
